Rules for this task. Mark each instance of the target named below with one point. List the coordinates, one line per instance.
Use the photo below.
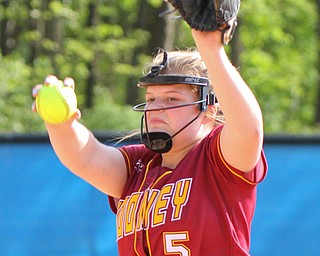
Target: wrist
(208, 41)
(210, 38)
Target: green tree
(279, 61)
(103, 45)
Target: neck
(172, 158)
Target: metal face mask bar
(202, 82)
(141, 107)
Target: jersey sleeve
(238, 177)
(131, 155)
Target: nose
(155, 105)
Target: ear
(209, 114)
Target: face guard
(161, 142)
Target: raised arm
(242, 136)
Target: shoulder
(212, 150)
(136, 154)
(136, 150)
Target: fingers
(49, 80)
(53, 80)
(69, 82)
(33, 107)
(77, 114)
(35, 90)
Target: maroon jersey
(202, 207)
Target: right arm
(100, 165)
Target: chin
(158, 130)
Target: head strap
(155, 70)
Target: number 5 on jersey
(173, 243)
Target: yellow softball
(56, 103)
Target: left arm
(242, 136)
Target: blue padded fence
(46, 210)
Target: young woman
(190, 187)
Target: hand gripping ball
(55, 102)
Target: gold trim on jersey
(229, 167)
(128, 160)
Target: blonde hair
(181, 62)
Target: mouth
(156, 122)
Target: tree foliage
(279, 61)
(103, 45)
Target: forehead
(168, 88)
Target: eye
(172, 99)
(150, 100)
